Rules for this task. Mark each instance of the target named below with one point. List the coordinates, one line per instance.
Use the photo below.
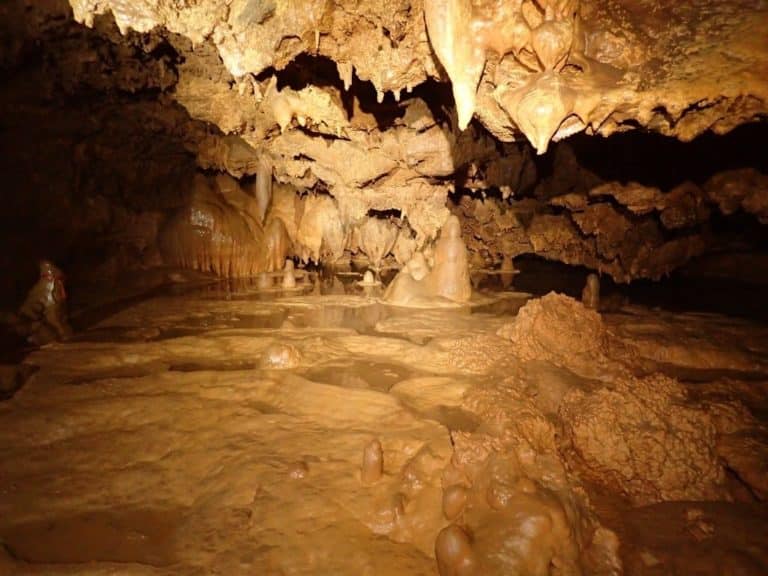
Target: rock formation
(42, 317)
(373, 462)
(210, 234)
(277, 244)
(590, 295)
(289, 278)
(357, 112)
(160, 141)
(377, 238)
(630, 457)
(496, 56)
(445, 278)
(453, 551)
(449, 277)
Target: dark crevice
(384, 214)
(308, 70)
(663, 162)
(315, 134)
(736, 478)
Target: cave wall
(635, 206)
(92, 155)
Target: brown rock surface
(559, 444)
(212, 235)
(643, 436)
(639, 436)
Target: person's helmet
(47, 268)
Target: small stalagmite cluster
(442, 273)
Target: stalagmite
(369, 279)
(289, 278)
(453, 551)
(263, 186)
(432, 275)
(373, 462)
(263, 281)
(454, 500)
(590, 296)
(450, 274)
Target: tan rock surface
(232, 438)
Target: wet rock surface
(489, 453)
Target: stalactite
(263, 186)
(448, 24)
(377, 238)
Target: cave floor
(222, 432)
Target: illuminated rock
(373, 463)
(377, 238)
(449, 27)
(454, 554)
(540, 107)
(590, 295)
(211, 235)
(446, 278)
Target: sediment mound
(556, 327)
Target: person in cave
(42, 317)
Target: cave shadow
(660, 161)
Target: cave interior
(455, 287)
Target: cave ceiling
(541, 69)
(535, 70)
(393, 106)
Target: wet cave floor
(220, 430)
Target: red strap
(58, 284)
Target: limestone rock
(377, 238)
(640, 438)
(442, 276)
(619, 67)
(746, 189)
(545, 328)
(321, 233)
(211, 235)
